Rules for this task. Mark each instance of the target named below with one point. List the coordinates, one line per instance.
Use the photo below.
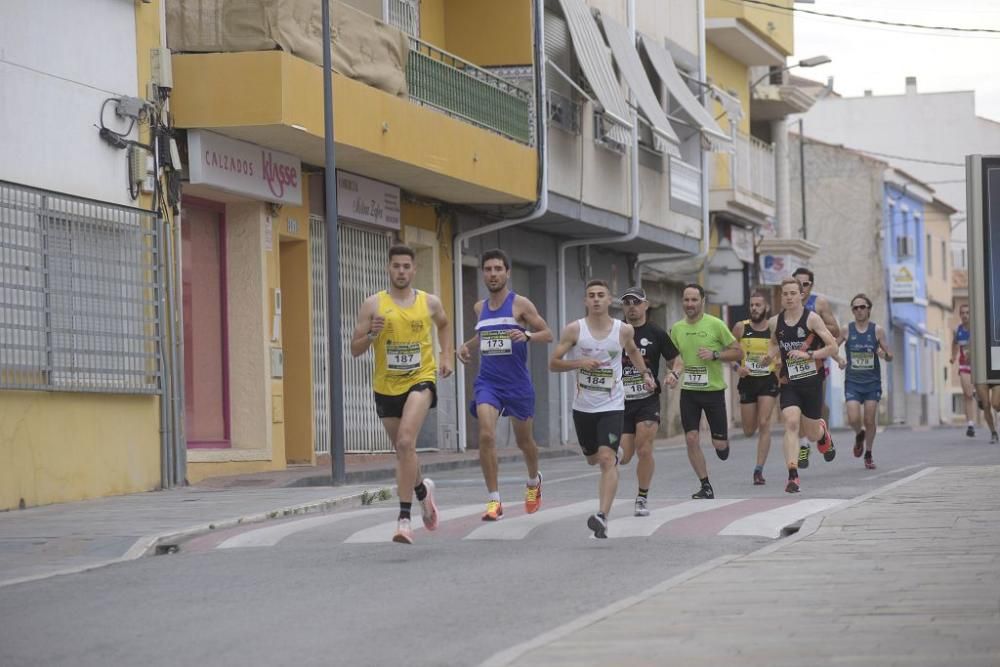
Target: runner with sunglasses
(642, 405)
(865, 346)
(821, 306)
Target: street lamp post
(779, 134)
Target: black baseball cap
(634, 292)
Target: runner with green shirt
(704, 343)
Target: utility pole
(334, 345)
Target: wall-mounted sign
(243, 168)
(775, 268)
(742, 242)
(366, 200)
(902, 281)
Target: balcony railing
(753, 168)
(463, 90)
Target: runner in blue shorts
(507, 323)
(865, 347)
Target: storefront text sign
(243, 168)
(366, 200)
(902, 281)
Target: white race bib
(597, 379)
(800, 368)
(402, 357)
(494, 342)
(863, 361)
(635, 383)
(695, 377)
(756, 365)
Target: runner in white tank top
(599, 389)
(595, 345)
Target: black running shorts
(641, 410)
(391, 407)
(751, 388)
(807, 396)
(598, 429)
(713, 404)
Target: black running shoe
(599, 525)
(792, 486)
(706, 493)
(971, 432)
(723, 454)
(758, 478)
(859, 444)
(804, 456)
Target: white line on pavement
(898, 470)
(383, 532)
(518, 528)
(770, 523)
(644, 526)
(271, 535)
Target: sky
(880, 58)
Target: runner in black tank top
(801, 345)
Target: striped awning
(595, 61)
(623, 49)
(665, 68)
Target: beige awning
(623, 49)
(665, 68)
(595, 61)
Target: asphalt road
(330, 589)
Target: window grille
(79, 294)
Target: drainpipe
(541, 208)
(691, 263)
(632, 233)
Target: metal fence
(79, 294)
(459, 88)
(403, 14)
(320, 340)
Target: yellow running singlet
(755, 347)
(404, 352)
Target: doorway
(296, 348)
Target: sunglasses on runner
(806, 283)
(631, 302)
(859, 307)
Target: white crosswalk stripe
(518, 528)
(770, 523)
(271, 535)
(644, 526)
(762, 523)
(383, 532)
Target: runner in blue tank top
(865, 345)
(507, 323)
(821, 306)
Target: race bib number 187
(402, 357)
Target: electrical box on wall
(161, 71)
(277, 363)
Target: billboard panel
(983, 210)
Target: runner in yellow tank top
(758, 384)
(403, 352)
(398, 321)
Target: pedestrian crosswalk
(759, 517)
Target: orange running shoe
(533, 496)
(494, 511)
(825, 444)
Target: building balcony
(744, 180)
(457, 133)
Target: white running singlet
(600, 389)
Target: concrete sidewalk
(73, 537)
(908, 575)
